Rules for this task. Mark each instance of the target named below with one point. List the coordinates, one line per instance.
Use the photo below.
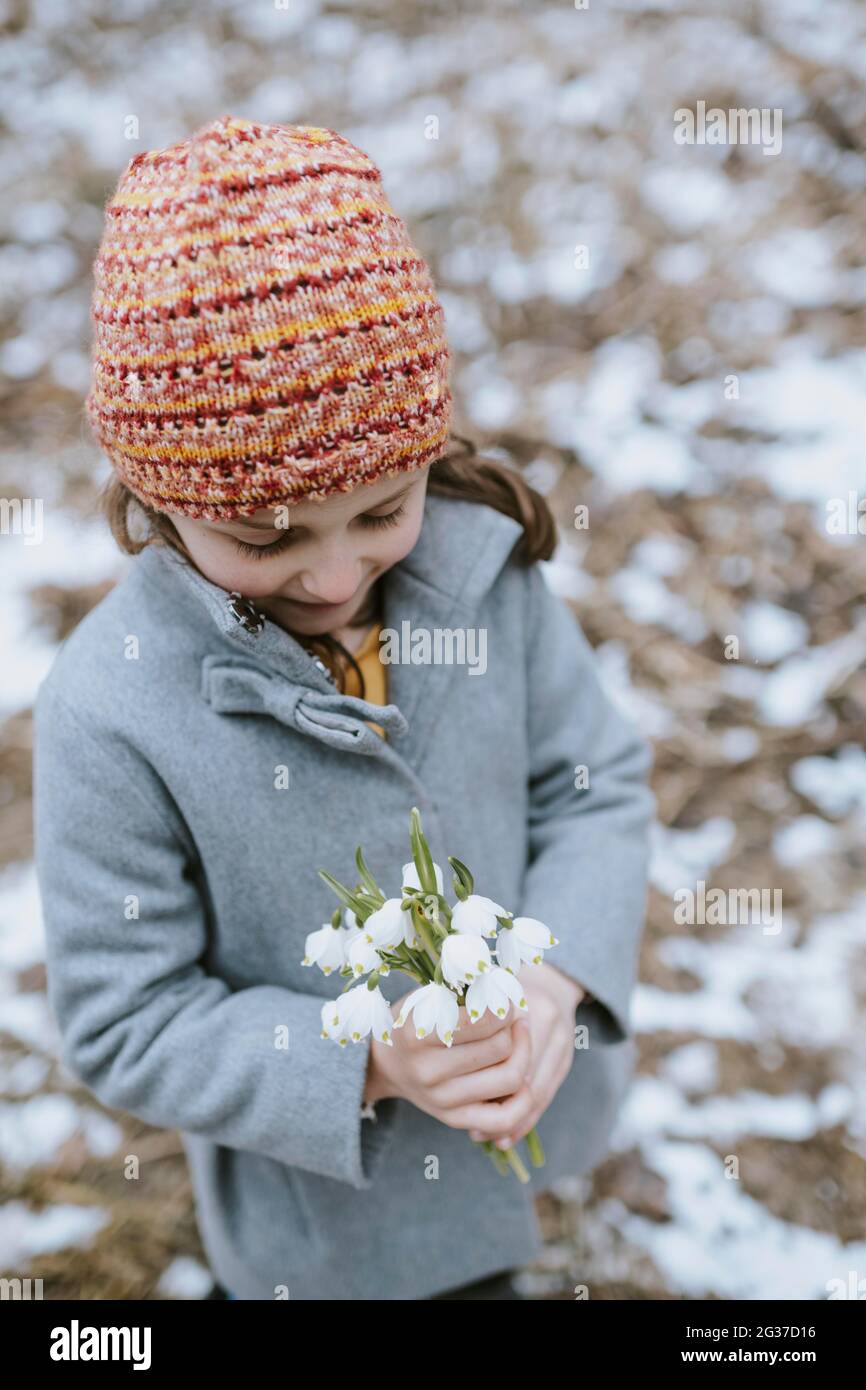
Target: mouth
(318, 607)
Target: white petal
(408, 1006)
(426, 1012)
(534, 933)
(477, 914)
(448, 1013)
(509, 985)
(330, 1018)
(356, 1012)
(478, 997)
(381, 1021)
(411, 880)
(325, 948)
(464, 956)
(362, 955)
(508, 949)
(386, 925)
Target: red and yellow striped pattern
(264, 331)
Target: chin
(314, 626)
(310, 624)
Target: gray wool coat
(178, 880)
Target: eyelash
(257, 551)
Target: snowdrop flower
(326, 948)
(524, 941)
(436, 1007)
(367, 1010)
(353, 926)
(477, 915)
(410, 877)
(362, 956)
(332, 1025)
(355, 1014)
(389, 925)
(463, 957)
(493, 990)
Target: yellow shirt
(375, 682)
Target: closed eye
(287, 539)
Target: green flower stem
(421, 928)
(410, 962)
(515, 1162)
(434, 906)
(497, 1155)
(445, 909)
(436, 928)
(505, 1159)
(536, 1152)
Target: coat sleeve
(588, 845)
(142, 1022)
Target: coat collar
(461, 549)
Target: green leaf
(346, 896)
(367, 878)
(421, 853)
(463, 876)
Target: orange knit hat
(264, 331)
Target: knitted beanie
(264, 331)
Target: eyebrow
(269, 526)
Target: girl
(270, 385)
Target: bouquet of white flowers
(442, 947)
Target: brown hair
(462, 474)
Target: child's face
(330, 553)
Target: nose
(334, 583)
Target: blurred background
(670, 339)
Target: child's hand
(552, 998)
(457, 1085)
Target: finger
(508, 1076)
(537, 1047)
(488, 1083)
(547, 1079)
(447, 1062)
(483, 1027)
(542, 1021)
(410, 1037)
(495, 1118)
(465, 1031)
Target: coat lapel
(440, 584)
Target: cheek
(394, 546)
